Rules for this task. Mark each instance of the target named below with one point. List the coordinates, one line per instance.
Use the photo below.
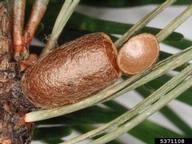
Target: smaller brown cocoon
(72, 72)
(138, 54)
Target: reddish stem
(37, 14)
(18, 22)
(32, 59)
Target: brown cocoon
(72, 72)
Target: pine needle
(64, 15)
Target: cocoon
(72, 72)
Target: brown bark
(13, 105)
